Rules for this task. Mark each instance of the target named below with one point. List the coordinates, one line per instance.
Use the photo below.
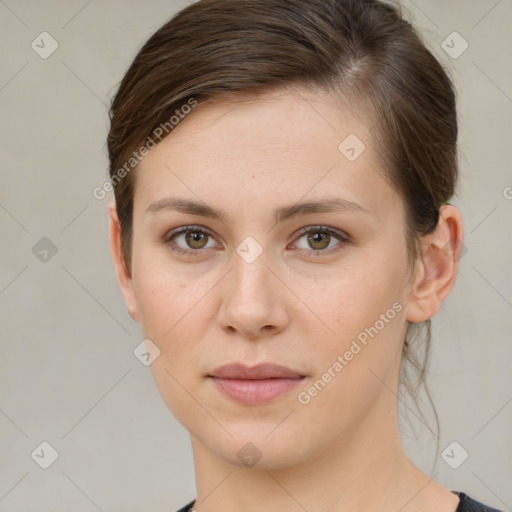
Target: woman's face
(319, 288)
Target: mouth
(254, 385)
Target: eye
(188, 240)
(191, 240)
(319, 239)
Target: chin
(255, 449)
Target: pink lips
(257, 384)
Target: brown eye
(319, 240)
(196, 239)
(189, 240)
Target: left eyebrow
(327, 205)
(281, 214)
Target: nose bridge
(252, 254)
(250, 276)
(250, 301)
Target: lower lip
(253, 392)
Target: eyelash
(167, 239)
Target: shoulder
(187, 507)
(468, 504)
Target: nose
(253, 300)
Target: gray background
(68, 372)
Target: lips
(260, 371)
(255, 385)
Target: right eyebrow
(186, 206)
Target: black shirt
(466, 504)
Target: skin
(291, 306)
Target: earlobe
(437, 266)
(124, 277)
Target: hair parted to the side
(364, 51)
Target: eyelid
(169, 235)
(184, 229)
(321, 227)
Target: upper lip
(259, 371)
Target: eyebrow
(327, 205)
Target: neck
(363, 470)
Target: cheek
(171, 307)
(353, 297)
(352, 364)
(167, 294)
(364, 310)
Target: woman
(282, 171)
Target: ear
(436, 268)
(124, 277)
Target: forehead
(278, 145)
(280, 120)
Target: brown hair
(359, 49)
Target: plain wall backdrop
(68, 373)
